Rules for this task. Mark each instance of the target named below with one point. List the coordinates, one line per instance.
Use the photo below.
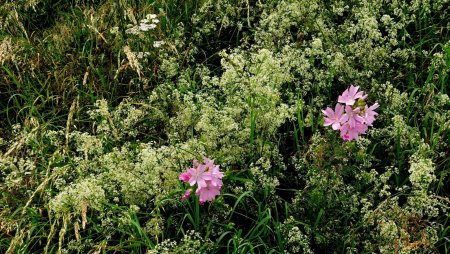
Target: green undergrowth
(104, 103)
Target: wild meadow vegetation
(104, 105)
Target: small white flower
(146, 27)
(132, 30)
(151, 16)
(158, 44)
(141, 55)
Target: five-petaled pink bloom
(199, 175)
(185, 176)
(357, 117)
(352, 116)
(333, 118)
(208, 178)
(350, 95)
(208, 193)
(369, 114)
(349, 133)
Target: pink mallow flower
(195, 163)
(369, 113)
(352, 133)
(185, 176)
(208, 178)
(216, 176)
(357, 117)
(350, 95)
(207, 193)
(186, 194)
(199, 175)
(208, 163)
(352, 116)
(333, 117)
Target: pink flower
(195, 163)
(352, 133)
(208, 178)
(208, 162)
(357, 117)
(333, 117)
(352, 116)
(186, 194)
(216, 176)
(185, 177)
(369, 113)
(350, 95)
(199, 175)
(207, 193)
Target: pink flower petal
(336, 126)
(185, 176)
(186, 194)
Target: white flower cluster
(147, 24)
(421, 172)
(192, 242)
(6, 50)
(297, 241)
(86, 193)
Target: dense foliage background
(103, 105)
